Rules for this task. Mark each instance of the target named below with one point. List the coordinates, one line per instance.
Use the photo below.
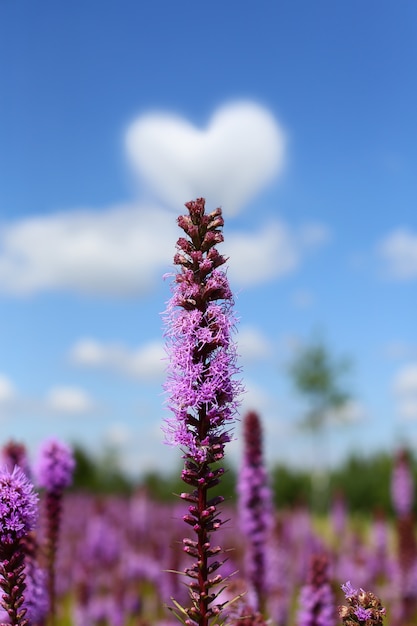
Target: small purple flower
(55, 465)
(363, 614)
(349, 591)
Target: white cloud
(252, 344)
(274, 251)
(145, 363)
(115, 252)
(7, 390)
(405, 389)
(241, 151)
(124, 250)
(399, 252)
(68, 400)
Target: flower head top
(55, 465)
(18, 505)
(202, 356)
(363, 609)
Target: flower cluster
(202, 356)
(363, 608)
(18, 506)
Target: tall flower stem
(202, 392)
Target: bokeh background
(299, 119)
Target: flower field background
(116, 550)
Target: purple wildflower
(202, 390)
(349, 591)
(255, 504)
(402, 485)
(363, 614)
(363, 608)
(54, 470)
(18, 506)
(55, 465)
(18, 516)
(316, 600)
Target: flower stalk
(202, 394)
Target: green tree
(318, 377)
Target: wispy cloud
(273, 251)
(115, 252)
(123, 251)
(398, 251)
(144, 363)
(241, 150)
(68, 400)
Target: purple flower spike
(55, 465)
(316, 600)
(18, 516)
(255, 505)
(54, 471)
(202, 391)
(402, 485)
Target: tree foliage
(317, 376)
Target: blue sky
(299, 119)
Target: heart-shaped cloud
(228, 163)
